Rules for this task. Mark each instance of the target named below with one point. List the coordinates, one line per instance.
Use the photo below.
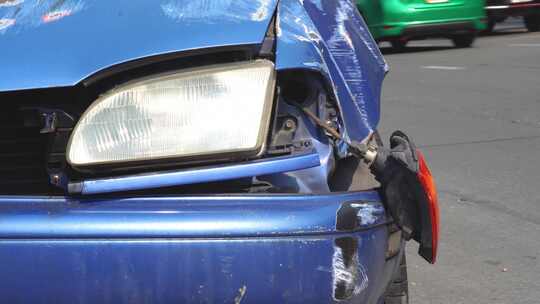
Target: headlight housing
(185, 114)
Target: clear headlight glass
(218, 109)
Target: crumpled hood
(52, 43)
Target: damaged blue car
(206, 151)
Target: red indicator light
(426, 179)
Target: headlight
(190, 113)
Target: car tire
(399, 45)
(490, 26)
(398, 290)
(532, 22)
(464, 41)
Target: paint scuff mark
(352, 215)
(8, 3)
(262, 12)
(217, 10)
(5, 23)
(349, 277)
(35, 13)
(55, 15)
(241, 293)
(368, 214)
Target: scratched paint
(367, 213)
(349, 276)
(35, 13)
(5, 23)
(217, 10)
(9, 3)
(327, 36)
(165, 257)
(241, 293)
(330, 36)
(130, 30)
(55, 15)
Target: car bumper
(429, 29)
(397, 16)
(249, 248)
(439, 29)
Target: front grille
(23, 154)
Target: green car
(399, 21)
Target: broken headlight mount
(406, 185)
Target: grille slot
(23, 154)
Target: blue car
(205, 151)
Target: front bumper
(250, 248)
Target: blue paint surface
(282, 248)
(51, 43)
(330, 37)
(178, 217)
(255, 248)
(71, 40)
(199, 175)
(181, 271)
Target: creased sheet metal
(329, 36)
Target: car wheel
(532, 22)
(398, 290)
(399, 45)
(490, 26)
(464, 41)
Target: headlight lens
(219, 109)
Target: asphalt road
(476, 114)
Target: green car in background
(399, 21)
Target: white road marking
(525, 44)
(443, 67)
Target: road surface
(476, 114)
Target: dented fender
(130, 247)
(327, 36)
(330, 37)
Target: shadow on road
(505, 32)
(414, 49)
(388, 50)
